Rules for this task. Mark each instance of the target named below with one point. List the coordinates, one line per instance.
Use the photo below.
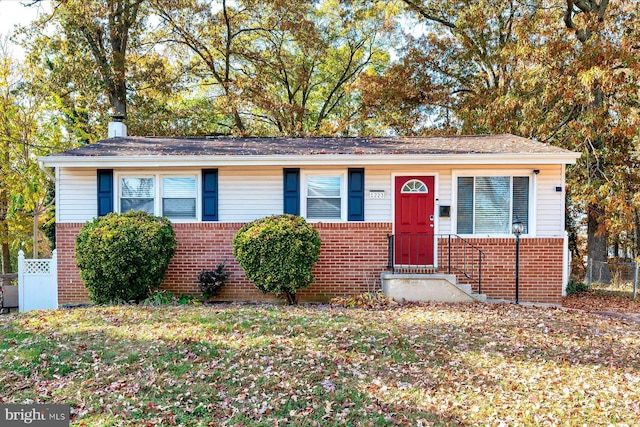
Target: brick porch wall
(352, 257)
(540, 268)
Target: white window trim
(489, 173)
(157, 199)
(305, 175)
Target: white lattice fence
(37, 283)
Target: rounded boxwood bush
(277, 254)
(122, 257)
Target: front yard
(415, 365)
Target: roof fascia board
(309, 160)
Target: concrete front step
(479, 297)
(427, 287)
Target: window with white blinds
(490, 204)
(179, 197)
(324, 197)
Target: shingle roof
(444, 145)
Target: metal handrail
(462, 256)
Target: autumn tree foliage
(279, 67)
(28, 129)
(101, 30)
(564, 73)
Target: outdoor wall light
(517, 228)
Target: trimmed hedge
(277, 254)
(122, 257)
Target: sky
(12, 12)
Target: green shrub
(158, 297)
(277, 254)
(185, 299)
(211, 281)
(575, 287)
(122, 257)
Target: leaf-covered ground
(604, 301)
(265, 365)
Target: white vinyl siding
(444, 198)
(248, 193)
(549, 202)
(76, 195)
(377, 210)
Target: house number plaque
(376, 194)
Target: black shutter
(105, 191)
(291, 194)
(356, 195)
(210, 194)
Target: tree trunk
(6, 255)
(118, 104)
(4, 233)
(291, 298)
(596, 248)
(35, 231)
(238, 121)
(636, 245)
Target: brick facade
(541, 268)
(351, 259)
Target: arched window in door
(414, 186)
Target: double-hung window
(179, 197)
(324, 197)
(490, 204)
(173, 196)
(137, 194)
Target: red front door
(414, 201)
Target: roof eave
(308, 160)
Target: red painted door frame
(414, 220)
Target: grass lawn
(417, 365)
